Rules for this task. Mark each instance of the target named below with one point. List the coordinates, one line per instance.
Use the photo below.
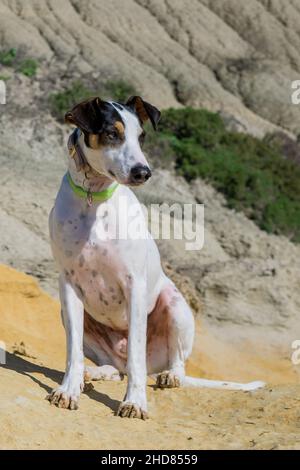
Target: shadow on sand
(25, 367)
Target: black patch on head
(118, 105)
(97, 117)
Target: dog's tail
(223, 385)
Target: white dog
(119, 309)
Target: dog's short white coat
(90, 268)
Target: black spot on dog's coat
(80, 290)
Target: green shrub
(282, 216)
(251, 173)
(185, 123)
(119, 90)
(28, 67)
(11, 58)
(62, 101)
(8, 57)
(160, 147)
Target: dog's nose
(140, 173)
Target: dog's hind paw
(167, 379)
(102, 373)
(131, 410)
(63, 400)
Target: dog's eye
(111, 135)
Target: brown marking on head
(94, 141)
(120, 128)
(112, 136)
(144, 110)
(99, 121)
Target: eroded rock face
(242, 275)
(225, 55)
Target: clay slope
(228, 55)
(244, 278)
(180, 419)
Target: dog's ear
(87, 115)
(144, 110)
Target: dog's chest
(92, 262)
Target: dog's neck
(90, 180)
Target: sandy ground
(179, 419)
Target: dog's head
(113, 136)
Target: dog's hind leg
(173, 312)
(105, 348)
(180, 336)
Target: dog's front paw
(62, 399)
(167, 379)
(131, 410)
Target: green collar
(92, 196)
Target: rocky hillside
(225, 55)
(242, 276)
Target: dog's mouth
(132, 184)
(127, 182)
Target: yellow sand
(180, 419)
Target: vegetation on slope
(62, 101)
(251, 173)
(24, 65)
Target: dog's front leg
(135, 401)
(67, 394)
